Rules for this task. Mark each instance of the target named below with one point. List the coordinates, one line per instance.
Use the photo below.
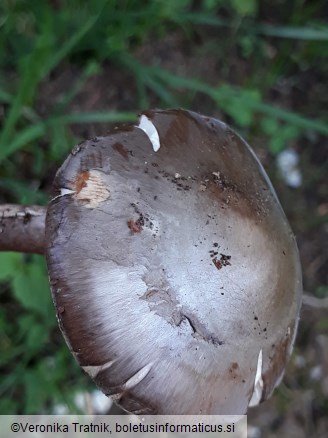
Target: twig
(22, 228)
(314, 302)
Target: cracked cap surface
(172, 267)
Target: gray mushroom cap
(174, 272)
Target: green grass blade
(161, 91)
(200, 19)
(90, 70)
(94, 117)
(226, 91)
(297, 33)
(289, 32)
(31, 74)
(292, 118)
(5, 97)
(36, 131)
(29, 134)
(181, 81)
(70, 44)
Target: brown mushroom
(174, 271)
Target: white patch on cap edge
(149, 129)
(138, 377)
(258, 385)
(93, 370)
(63, 192)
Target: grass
(38, 40)
(108, 32)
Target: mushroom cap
(174, 272)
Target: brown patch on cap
(81, 181)
(118, 147)
(134, 226)
(91, 188)
(233, 371)
(149, 113)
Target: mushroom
(173, 269)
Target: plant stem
(22, 228)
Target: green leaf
(240, 106)
(35, 391)
(321, 291)
(37, 336)
(8, 406)
(9, 261)
(277, 144)
(281, 136)
(33, 334)
(245, 7)
(31, 289)
(270, 126)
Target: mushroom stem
(22, 228)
